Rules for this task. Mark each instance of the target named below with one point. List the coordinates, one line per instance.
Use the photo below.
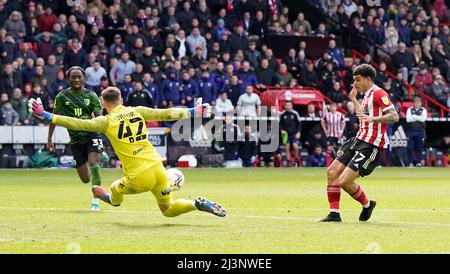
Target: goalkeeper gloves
(35, 107)
(200, 110)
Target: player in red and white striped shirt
(333, 124)
(360, 155)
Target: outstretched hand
(35, 107)
(201, 110)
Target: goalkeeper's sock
(96, 175)
(179, 207)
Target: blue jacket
(336, 53)
(190, 88)
(208, 90)
(248, 79)
(376, 36)
(219, 80)
(170, 91)
(404, 35)
(154, 92)
(124, 90)
(315, 160)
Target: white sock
(367, 205)
(334, 210)
(95, 200)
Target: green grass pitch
(269, 211)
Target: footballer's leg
(171, 208)
(343, 157)
(347, 182)
(94, 148)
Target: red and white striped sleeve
(381, 99)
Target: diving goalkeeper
(126, 128)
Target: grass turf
(270, 211)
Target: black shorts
(81, 151)
(266, 157)
(359, 156)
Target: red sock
(334, 196)
(360, 196)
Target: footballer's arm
(98, 124)
(170, 114)
(391, 116)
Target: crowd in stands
(166, 53)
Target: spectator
(126, 87)
(239, 40)
(27, 52)
(113, 19)
(121, 68)
(139, 97)
(391, 36)
(381, 76)
(415, 118)
(149, 84)
(333, 125)
(8, 49)
(301, 21)
(9, 80)
(317, 159)
(282, 77)
(20, 105)
(59, 84)
(15, 26)
(194, 40)
(246, 76)
(128, 9)
(94, 75)
(291, 126)
(424, 79)
(247, 148)
(292, 63)
(207, 88)
(440, 90)
(189, 88)
(223, 104)
(309, 76)
(252, 55)
(375, 36)
(181, 46)
(51, 69)
(75, 55)
(403, 61)
(171, 94)
(233, 89)
(264, 74)
(336, 94)
(404, 32)
(336, 53)
(441, 61)
(259, 27)
(9, 115)
(117, 43)
(47, 20)
(248, 104)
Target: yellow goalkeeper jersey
(126, 129)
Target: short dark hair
(74, 68)
(111, 94)
(365, 70)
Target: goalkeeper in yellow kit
(141, 164)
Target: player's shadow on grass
(155, 226)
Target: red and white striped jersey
(375, 102)
(333, 122)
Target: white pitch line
(231, 215)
